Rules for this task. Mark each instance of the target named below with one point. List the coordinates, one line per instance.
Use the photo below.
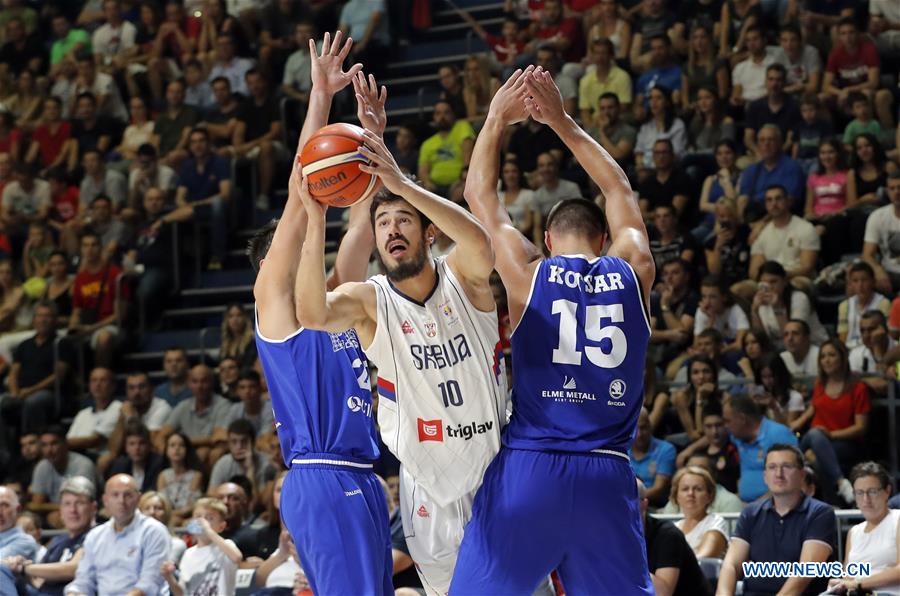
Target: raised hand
(544, 102)
(508, 104)
(327, 68)
(314, 208)
(381, 162)
(370, 104)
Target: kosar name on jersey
(592, 284)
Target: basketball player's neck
(419, 286)
(573, 245)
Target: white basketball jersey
(441, 384)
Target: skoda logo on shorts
(354, 403)
(617, 389)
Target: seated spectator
(443, 155)
(667, 242)
(871, 359)
(727, 248)
(672, 307)
(785, 239)
(252, 408)
(23, 110)
(808, 131)
(239, 528)
(665, 186)
(35, 371)
(869, 173)
(37, 250)
(718, 310)
(664, 72)
(212, 561)
(884, 22)
(775, 107)
(776, 302)
(97, 305)
(801, 62)
(863, 121)
(156, 505)
(702, 390)
(839, 413)
(152, 250)
(147, 172)
(367, 24)
(296, 82)
(693, 490)
(715, 445)
(735, 20)
(478, 88)
(873, 541)
(227, 64)
(138, 133)
(242, 459)
(93, 425)
(115, 561)
(48, 575)
(14, 542)
(755, 345)
(519, 201)
(879, 248)
(22, 49)
(703, 69)
(29, 456)
(673, 566)
(605, 77)
(65, 198)
(58, 465)
(139, 460)
(406, 150)
(788, 526)
(91, 129)
(197, 91)
(800, 355)
(862, 298)
(653, 23)
(748, 78)
(25, 200)
(221, 118)
(101, 181)
(708, 343)
(661, 124)
(528, 141)
(204, 190)
(114, 42)
(653, 460)
(49, 139)
(113, 232)
(751, 432)
(708, 127)
(173, 125)
(854, 65)
(102, 86)
(175, 389)
(828, 200)
(550, 187)
(181, 482)
(451, 90)
(774, 169)
(610, 23)
(198, 416)
(228, 372)
(773, 392)
(615, 135)
(141, 405)
(238, 340)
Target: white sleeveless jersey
(441, 384)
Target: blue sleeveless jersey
(321, 396)
(578, 357)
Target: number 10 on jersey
(450, 393)
(567, 351)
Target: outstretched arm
(472, 259)
(629, 234)
(274, 287)
(316, 308)
(515, 253)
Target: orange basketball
(331, 160)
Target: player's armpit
(348, 306)
(633, 246)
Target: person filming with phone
(776, 302)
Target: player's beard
(405, 270)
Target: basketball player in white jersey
(430, 327)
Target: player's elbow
(311, 318)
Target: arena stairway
(193, 316)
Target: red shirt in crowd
(86, 290)
(503, 49)
(51, 143)
(65, 204)
(571, 30)
(840, 413)
(852, 68)
(6, 142)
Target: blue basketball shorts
(538, 511)
(338, 518)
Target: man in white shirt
(801, 61)
(94, 425)
(104, 88)
(787, 239)
(124, 555)
(800, 356)
(113, 43)
(881, 244)
(297, 79)
(749, 76)
(867, 359)
(140, 405)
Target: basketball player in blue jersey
(561, 493)
(332, 503)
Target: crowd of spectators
(761, 140)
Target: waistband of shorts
(611, 452)
(600, 452)
(332, 460)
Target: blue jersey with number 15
(578, 355)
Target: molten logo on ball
(331, 161)
(325, 182)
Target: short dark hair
(201, 130)
(99, 198)
(385, 197)
(54, 429)
(48, 304)
(857, 96)
(777, 187)
(714, 281)
(804, 326)
(791, 28)
(220, 79)
(259, 243)
(801, 461)
(777, 67)
(685, 266)
(136, 428)
(250, 375)
(245, 483)
(579, 217)
(86, 95)
(713, 407)
(609, 95)
(870, 468)
(605, 42)
(89, 233)
(861, 266)
(847, 21)
(744, 404)
(146, 150)
(242, 427)
(713, 334)
(876, 314)
(661, 37)
(772, 268)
